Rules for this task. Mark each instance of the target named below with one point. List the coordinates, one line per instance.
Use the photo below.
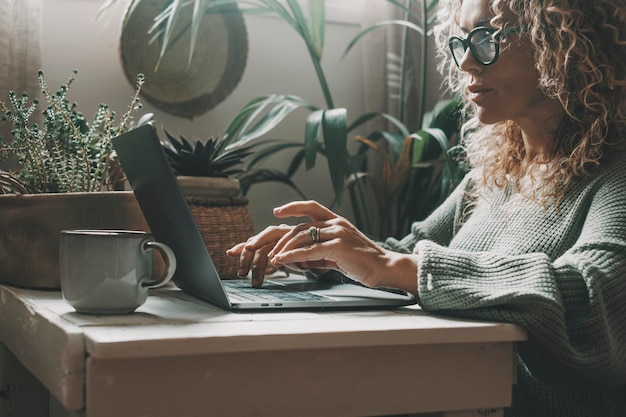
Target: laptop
(170, 220)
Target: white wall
(277, 63)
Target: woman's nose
(468, 63)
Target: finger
(247, 250)
(268, 236)
(259, 266)
(298, 237)
(236, 250)
(245, 262)
(312, 209)
(313, 258)
(314, 254)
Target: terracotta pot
(30, 225)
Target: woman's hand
(253, 253)
(327, 242)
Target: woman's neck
(539, 136)
(538, 125)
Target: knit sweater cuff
(458, 280)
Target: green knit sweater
(558, 273)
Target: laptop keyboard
(270, 292)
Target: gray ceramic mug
(109, 271)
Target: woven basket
(30, 226)
(223, 222)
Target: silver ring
(315, 234)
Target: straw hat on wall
(179, 86)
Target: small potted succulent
(66, 176)
(206, 171)
(206, 167)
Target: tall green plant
(418, 169)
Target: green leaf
(395, 142)
(445, 116)
(296, 163)
(298, 15)
(267, 175)
(196, 19)
(178, 146)
(131, 9)
(312, 132)
(271, 150)
(276, 7)
(261, 115)
(417, 151)
(176, 7)
(282, 108)
(378, 25)
(317, 22)
(433, 5)
(335, 128)
(370, 116)
(104, 6)
(441, 139)
(243, 117)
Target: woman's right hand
(252, 253)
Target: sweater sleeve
(573, 307)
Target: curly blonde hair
(580, 55)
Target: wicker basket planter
(222, 217)
(30, 226)
(223, 222)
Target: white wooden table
(178, 356)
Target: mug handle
(170, 264)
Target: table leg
(21, 394)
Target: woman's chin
(487, 117)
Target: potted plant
(205, 167)
(67, 177)
(206, 171)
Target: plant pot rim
(61, 195)
(209, 186)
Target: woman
(536, 233)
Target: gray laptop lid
(168, 214)
(171, 222)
